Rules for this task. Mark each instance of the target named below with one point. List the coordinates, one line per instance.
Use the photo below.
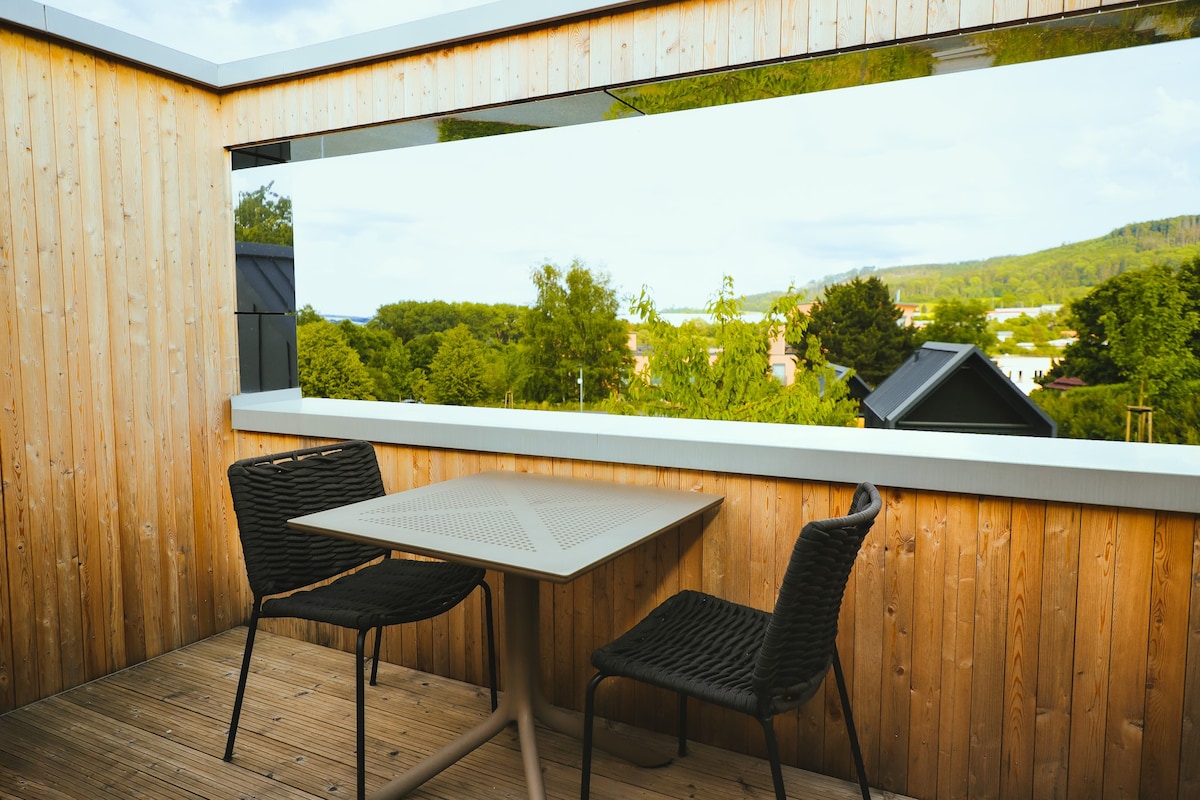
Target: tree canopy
(961, 322)
(263, 216)
(328, 366)
(858, 326)
(684, 378)
(574, 323)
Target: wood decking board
(157, 730)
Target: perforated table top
(541, 526)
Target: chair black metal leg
(682, 724)
(375, 658)
(251, 628)
(589, 718)
(768, 727)
(854, 748)
(360, 695)
(491, 641)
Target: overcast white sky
(949, 168)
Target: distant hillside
(1057, 275)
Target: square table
(530, 528)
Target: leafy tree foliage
(1138, 326)
(489, 323)
(962, 322)
(684, 379)
(858, 326)
(328, 366)
(1098, 412)
(458, 371)
(573, 324)
(263, 216)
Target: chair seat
(693, 643)
(390, 592)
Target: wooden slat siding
(1169, 586)
(36, 362)
(1093, 645)
(851, 23)
(98, 497)
(991, 623)
(832, 500)
(741, 31)
(927, 635)
(972, 14)
(1021, 650)
(1009, 10)
(17, 685)
(822, 25)
(716, 33)
(768, 24)
(691, 37)
(56, 192)
(1189, 768)
(1127, 676)
(912, 18)
(881, 20)
(1056, 649)
(943, 15)
(793, 34)
(899, 522)
(1045, 8)
(667, 23)
(958, 633)
(866, 677)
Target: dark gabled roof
(856, 387)
(947, 386)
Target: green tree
(573, 324)
(1150, 331)
(683, 379)
(263, 216)
(457, 373)
(961, 322)
(858, 326)
(328, 366)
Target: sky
(949, 168)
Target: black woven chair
(270, 490)
(742, 658)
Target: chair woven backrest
(798, 644)
(269, 490)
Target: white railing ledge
(1153, 476)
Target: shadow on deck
(157, 730)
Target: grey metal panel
(267, 352)
(912, 380)
(266, 278)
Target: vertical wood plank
(793, 37)
(41, 365)
(691, 37)
(768, 33)
(912, 18)
(1127, 674)
(1189, 768)
(1165, 668)
(18, 636)
(741, 31)
(1021, 653)
(928, 621)
(579, 69)
(958, 633)
(669, 17)
(621, 63)
(991, 618)
(600, 38)
(800, 502)
(822, 25)
(1093, 643)
(716, 33)
(973, 13)
(881, 19)
(1056, 649)
(869, 633)
(644, 49)
(899, 558)
(943, 15)
(558, 59)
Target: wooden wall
(995, 647)
(117, 360)
(1073, 632)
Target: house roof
(933, 370)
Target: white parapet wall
(1154, 476)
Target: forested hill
(1057, 275)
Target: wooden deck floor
(157, 731)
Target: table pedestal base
(521, 702)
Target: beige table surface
(528, 527)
